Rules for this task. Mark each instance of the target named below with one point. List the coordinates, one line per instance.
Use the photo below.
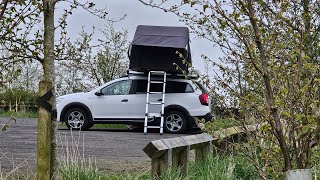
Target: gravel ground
(113, 150)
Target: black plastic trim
(177, 107)
(72, 105)
(120, 120)
(207, 117)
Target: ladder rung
(156, 103)
(154, 114)
(157, 82)
(153, 127)
(155, 92)
(158, 72)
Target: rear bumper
(207, 117)
(192, 124)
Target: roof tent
(154, 48)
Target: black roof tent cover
(154, 48)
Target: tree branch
(4, 7)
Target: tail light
(204, 99)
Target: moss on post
(44, 135)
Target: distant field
(19, 114)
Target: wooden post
(159, 165)
(180, 147)
(44, 128)
(180, 160)
(158, 150)
(202, 152)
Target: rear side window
(178, 87)
(171, 87)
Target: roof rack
(145, 73)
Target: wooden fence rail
(175, 152)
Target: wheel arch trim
(177, 107)
(75, 105)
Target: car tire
(76, 119)
(175, 122)
(90, 125)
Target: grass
(103, 126)
(110, 126)
(216, 125)
(221, 123)
(316, 171)
(229, 168)
(74, 165)
(35, 115)
(19, 114)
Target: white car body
(131, 108)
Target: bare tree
(24, 40)
(89, 65)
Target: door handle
(159, 99)
(124, 100)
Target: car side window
(189, 89)
(178, 87)
(118, 88)
(171, 87)
(141, 86)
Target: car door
(140, 98)
(113, 102)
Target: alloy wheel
(76, 119)
(174, 122)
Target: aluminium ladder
(148, 103)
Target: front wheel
(175, 122)
(77, 119)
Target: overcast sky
(137, 14)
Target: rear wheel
(90, 125)
(77, 119)
(175, 122)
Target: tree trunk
(10, 106)
(276, 125)
(47, 121)
(44, 138)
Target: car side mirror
(98, 93)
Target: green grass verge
(103, 126)
(35, 115)
(19, 114)
(232, 167)
(110, 126)
(220, 123)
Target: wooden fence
(175, 152)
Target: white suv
(123, 101)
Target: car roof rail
(145, 73)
